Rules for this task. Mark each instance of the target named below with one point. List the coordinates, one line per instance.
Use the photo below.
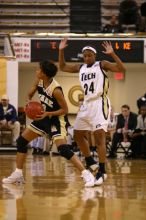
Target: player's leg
(100, 123)
(66, 152)
(22, 141)
(82, 126)
(81, 139)
(59, 135)
(100, 138)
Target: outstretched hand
(108, 47)
(63, 43)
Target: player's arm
(114, 67)
(33, 89)
(58, 95)
(62, 64)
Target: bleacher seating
(31, 16)
(50, 16)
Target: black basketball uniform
(54, 126)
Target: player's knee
(65, 151)
(22, 145)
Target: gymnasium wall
(9, 80)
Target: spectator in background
(113, 26)
(112, 123)
(138, 145)
(126, 123)
(129, 14)
(8, 118)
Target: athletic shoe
(100, 178)
(15, 190)
(15, 177)
(88, 178)
(93, 169)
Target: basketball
(33, 109)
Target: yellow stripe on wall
(3, 76)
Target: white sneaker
(88, 178)
(15, 177)
(93, 169)
(100, 178)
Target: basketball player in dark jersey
(51, 122)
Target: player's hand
(41, 116)
(108, 47)
(63, 43)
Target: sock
(90, 161)
(18, 170)
(102, 167)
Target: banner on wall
(22, 49)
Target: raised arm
(62, 64)
(114, 67)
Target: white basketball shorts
(93, 115)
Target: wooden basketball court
(54, 191)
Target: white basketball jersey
(94, 81)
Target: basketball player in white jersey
(94, 113)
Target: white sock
(18, 170)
